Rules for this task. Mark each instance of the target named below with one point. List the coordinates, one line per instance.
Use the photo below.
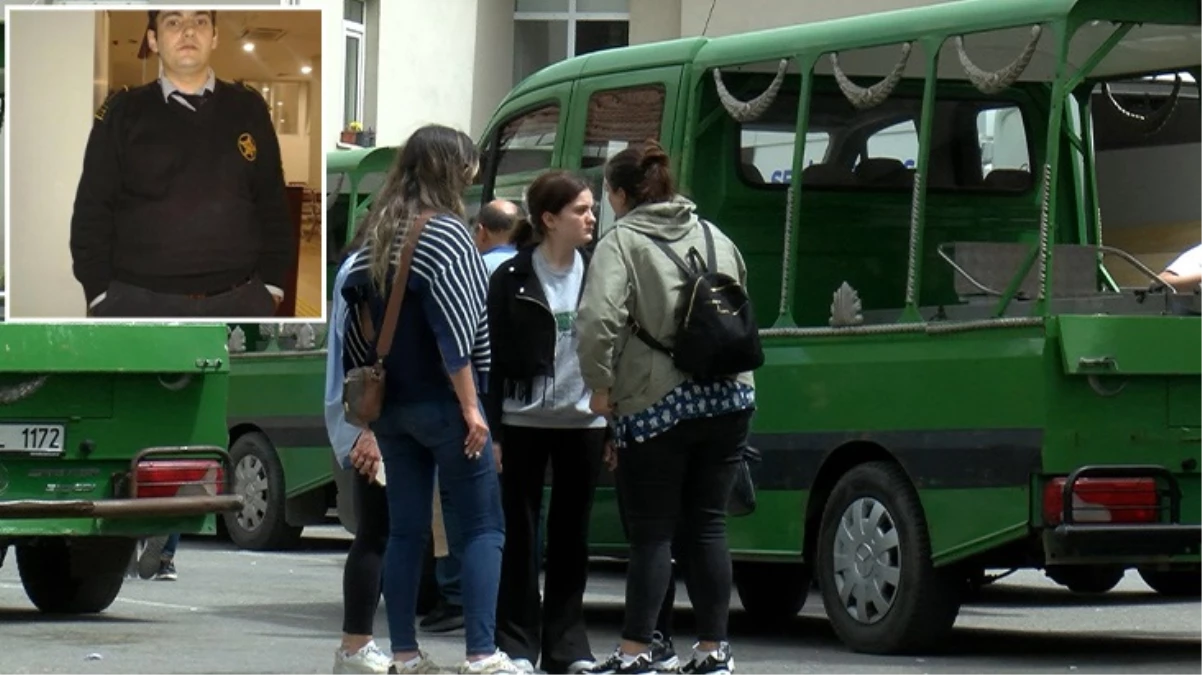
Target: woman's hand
(610, 456)
(496, 454)
(365, 454)
(599, 403)
(477, 432)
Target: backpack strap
(711, 265)
(711, 256)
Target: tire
(258, 476)
(1174, 583)
(1086, 578)
(74, 576)
(919, 602)
(772, 592)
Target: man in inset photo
(181, 209)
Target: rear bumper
(1121, 543)
(121, 508)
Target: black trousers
(556, 630)
(363, 574)
(675, 487)
(251, 300)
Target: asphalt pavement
(245, 612)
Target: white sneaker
(582, 666)
(497, 664)
(369, 660)
(524, 665)
(418, 665)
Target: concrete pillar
(654, 20)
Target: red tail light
(1104, 500)
(170, 478)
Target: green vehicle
(954, 382)
(108, 433)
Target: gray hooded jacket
(631, 276)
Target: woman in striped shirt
(432, 414)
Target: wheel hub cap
(250, 480)
(867, 560)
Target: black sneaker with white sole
(717, 662)
(620, 664)
(663, 656)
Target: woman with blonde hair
(437, 364)
(678, 436)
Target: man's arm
(1185, 273)
(95, 203)
(271, 203)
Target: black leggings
(363, 574)
(663, 623)
(675, 488)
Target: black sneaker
(615, 665)
(166, 571)
(443, 618)
(718, 662)
(663, 656)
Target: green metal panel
(360, 161)
(1131, 345)
(116, 389)
(112, 348)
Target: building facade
(394, 65)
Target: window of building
(548, 31)
(354, 28)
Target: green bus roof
(360, 160)
(962, 16)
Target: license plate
(38, 438)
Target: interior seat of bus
(982, 201)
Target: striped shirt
(444, 318)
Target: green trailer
(108, 433)
(954, 383)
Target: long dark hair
(644, 172)
(549, 193)
(431, 172)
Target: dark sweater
(176, 201)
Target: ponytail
(644, 172)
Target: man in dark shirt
(181, 209)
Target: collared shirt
(496, 255)
(169, 88)
(342, 434)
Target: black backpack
(716, 333)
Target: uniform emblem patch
(246, 145)
(103, 110)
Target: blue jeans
(414, 438)
(171, 545)
(448, 568)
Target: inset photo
(163, 163)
